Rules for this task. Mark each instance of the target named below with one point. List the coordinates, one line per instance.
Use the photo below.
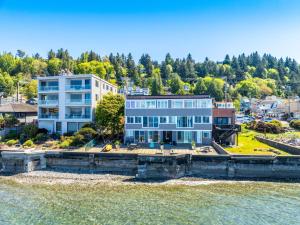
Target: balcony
(48, 116)
(48, 102)
(77, 116)
(78, 87)
(48, 88)
(78, 101)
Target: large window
(184, 136)
(153, 136)
(197, 119)
(172, 119)
(188, 103)
(206, 134)
(138, 119)
(75, 97)
(205, 119)
(150, 104)
(130, 119)
(72, 127)
(177, 104)
(184, 121)
(162, 104)
(151, 121)
(163, 119)
(222, 120)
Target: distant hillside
(243, 75)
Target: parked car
(268, 119)
(32, 101)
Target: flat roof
(167, 97)
(18, 108)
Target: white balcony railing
(48, 116)
(78, 101)
(48, 102)
(77, 87)
(77, 116)
(48, 88)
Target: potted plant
(117, 144)
(193, 145)
(161, 145)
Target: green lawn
(248, 145)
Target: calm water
(235, 203)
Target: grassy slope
(249, 145)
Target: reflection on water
(234, 203)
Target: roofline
(74, 76)
(168, 97)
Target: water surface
(222, 203)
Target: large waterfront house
(171, 119)
(67, 102)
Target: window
(76, 82)
(162, 104)
(188, 104)
(103, 86)
(163, 119)
(58, 127)
(87, 112)
(72, 127)
(184, 121)
(145, 121)
(172, 119)
(142, 104)
(138, 104)
(138, 119)
(128, 104)
(96, 97)
(153, 121)
(184, 136)
(97, 83)
(129, 133)
(222, 120)
(151, 104)
(132, 104)
(153, 136)
(177, 104)
(206, 134)
(130, 119)
(205, 119)
(197, 119)
(75, 97)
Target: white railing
(48, 102)
(48, 116)
(76, 116)
(78, 101)
(48, 88)
(78, 87)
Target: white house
(67, 102)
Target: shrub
(41, 137)
(12, 142)
(276, 123)
(88, 133)
(77, 140)
(295, 124)
(42, 131)
(65, 143)
(89, 125)
(270, 127)
(12, 134)
(29, 132)
(28, 143)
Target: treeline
(243, 75)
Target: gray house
(171, 119)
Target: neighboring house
(25, 113)
(171, 119)
(67, 102)
(224, 128)
(134, 91)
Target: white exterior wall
(64, 94)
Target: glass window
(184, 121)
(138, 119)
(87, 96)
(96, 97)
(97, 83)
(205, 119)
(130, 119)
(142, 104)
(153, 121)
(87, 111)
(145, 121)
(197, 119)
(188, 104)
(153, 136)
(221, 120)
(162, 104)
(206, 134)
(75, 97)
(177, 104)
(58, 127)
(129, 133)
(137, 104)
(132, 104)
(172, 119)
(151, 104)
(128, 104)
(53, 83)
(163, 119)
(71, 127)
(76, 82)
(180, 136)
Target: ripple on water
(219, 203)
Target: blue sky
(201, 27)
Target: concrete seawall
(159, 166)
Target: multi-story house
(169, 119)
(224, 128)
(67, 102)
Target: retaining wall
(282, 146)
(219, 149)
